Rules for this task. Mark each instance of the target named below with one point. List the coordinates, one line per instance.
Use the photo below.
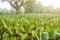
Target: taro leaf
(7, 28)
(23, 36)
(45, 36)
(42, 35)
(57, 34)
(13, 38)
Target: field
(30, 27)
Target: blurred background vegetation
(32, 7)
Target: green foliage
(29, 27)
(33, 7)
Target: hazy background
(55, 3)
(38, 6)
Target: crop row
(29, 27)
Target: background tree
(29, 6)
(49, 9)
(37, 7)
(33, 7)
(3, 11)
(17, 4)
(57, 10)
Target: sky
(55, 3)
(5, 5)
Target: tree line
(28, 6)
